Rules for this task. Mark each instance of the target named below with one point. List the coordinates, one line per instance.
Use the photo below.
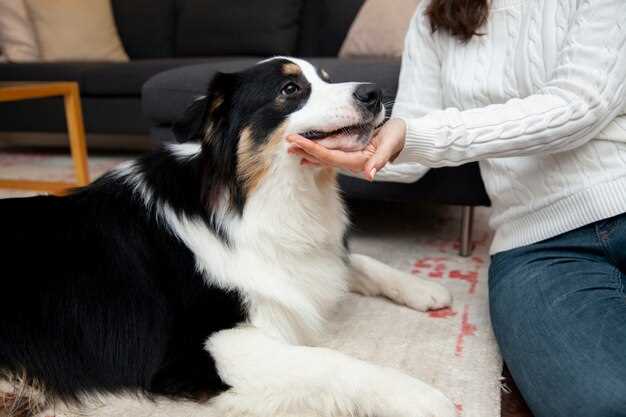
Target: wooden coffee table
(75, 128)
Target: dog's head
(245, 117)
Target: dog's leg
(373, 278)
(269, 378)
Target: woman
(536, 91)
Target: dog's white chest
(286, 258)
(306, 292)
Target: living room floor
(14, 162)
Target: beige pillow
(379, 29)
(76, 30)
(17, 35)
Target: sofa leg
(467, 224)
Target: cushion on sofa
(146, 27)
(76, 30)
(127, 80)
(17, 34)
(324, 26)
(379, 30)
(181, 86)
(237, 27)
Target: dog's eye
(290, 89)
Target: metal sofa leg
(467, 224)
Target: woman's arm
(585, 92)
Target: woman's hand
(386, 144)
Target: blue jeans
(558, 309)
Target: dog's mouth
(348, 138)
(357, 129)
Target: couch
(176, 46)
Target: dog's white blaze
(329, 105)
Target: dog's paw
(422, 295)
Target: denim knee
(560, 327)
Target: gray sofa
(176, 46)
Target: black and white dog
(210, 266)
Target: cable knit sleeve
(584, 93)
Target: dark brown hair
(460, 18)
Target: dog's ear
(190, 126)
(204, 111)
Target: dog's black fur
(97, 294)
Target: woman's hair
(460, 18)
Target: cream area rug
(453, 349)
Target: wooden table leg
(76, 132)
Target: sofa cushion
(127, 79)
(379, 30)
(324, 26)
(146, 27)
(237, 27)
(76, 30)
(167, 95)
(17, 34)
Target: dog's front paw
(422, 295)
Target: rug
(453, 349)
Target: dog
(209, 267)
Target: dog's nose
(369, 96)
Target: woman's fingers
(389, 143)
(353, 161)
(383, 154)
(306, 158)
(308, 146)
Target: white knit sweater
(539, 100)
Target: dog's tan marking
(254, 160)
(291, 69)
(216, 103)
